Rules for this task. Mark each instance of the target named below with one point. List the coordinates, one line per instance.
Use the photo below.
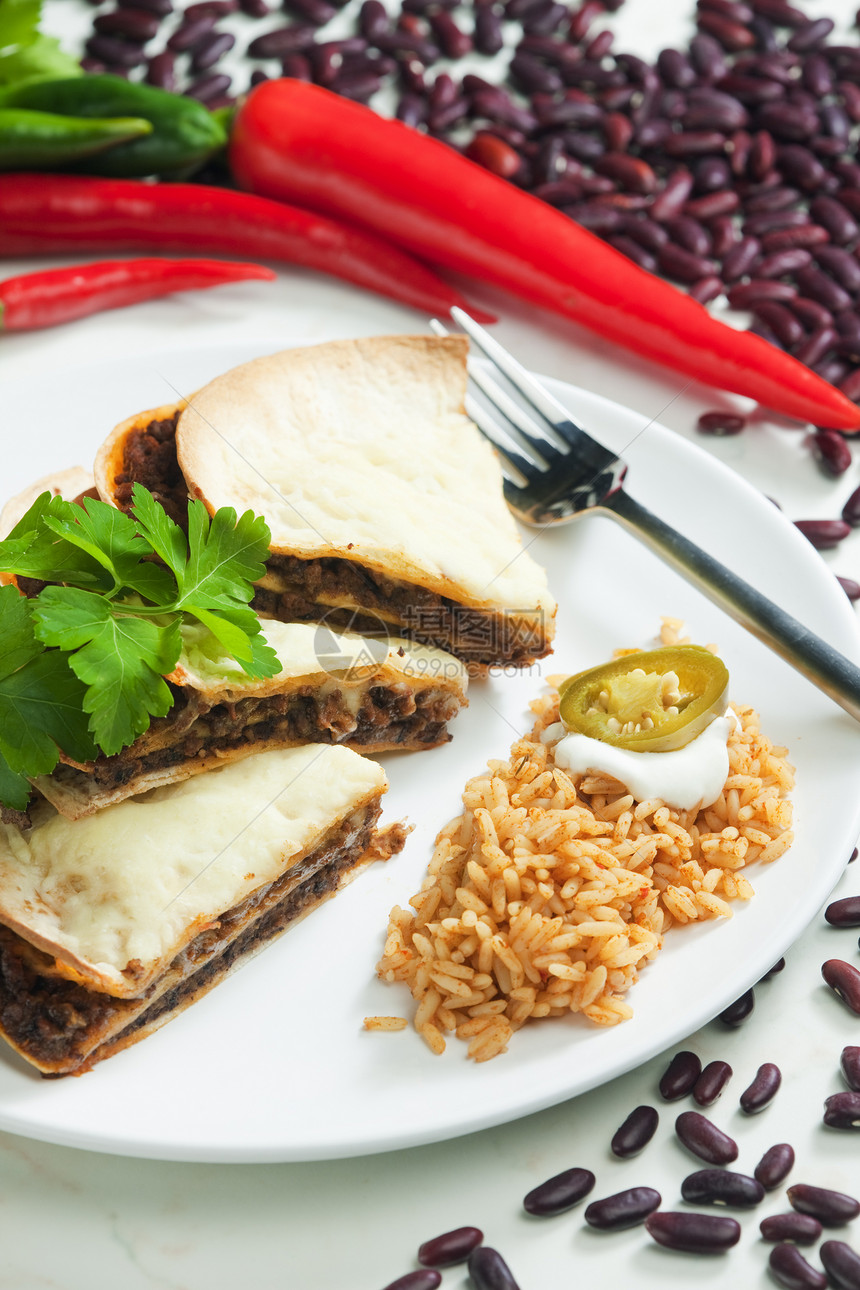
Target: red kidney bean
(740, 259)
(802, 1229)
(850, 587)
(735, 1015)
(773, 221)
(843, 978)
(372, 20)
(489, 1271)
(824, 535)
(689, 234)
(815, 347)
(559, 1193)
(680, 1075)
(210, 49)
(161, 7)
(850, 1062)
(212, 9)
(494, 154)
(780, 13)
(759, 291)
(695, 143)
(800, 166)
(775, 1165)
(161, 71)
(781, 322)
(841, 265)
(255, 8)
(282, 41)
(668, 203)
(188, 34)
(627, 246)
(707, 57)
(842, 1111)
(630, 172)
(706, 289)
(450, 1248)
(731, 35)
(208, 88)
(115, 52)
(704, 1139)
(683, 265)
(133, 24)
(722, 1187)
(842, 1265)
(771, 199)
(711, 1082)
(423, 1279)
(316, 12)
(844, 913)
(693, 1233)
(818, 286)
(624, 1209)
(720, 423)
(779, 966)
(762, 1090)
(834, 456)
(807, 235)
(783, 263)
(851, 509)
(792, 1270)
(635, 1133)
(810, 312)
(832, 1208)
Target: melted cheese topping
(361, 449)
(140, 879)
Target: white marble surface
(72, 1219)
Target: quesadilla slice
(383, 499)
(373, 695)
(111, 925)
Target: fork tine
(555, 414)
(533, 449)
(519, 470)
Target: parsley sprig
(82, 663)
(25, 53)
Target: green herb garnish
(26, 54)
(84, 660)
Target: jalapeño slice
(653, 701)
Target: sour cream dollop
(690, 777)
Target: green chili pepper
(36, 140)
(184, 133)
(650, 701)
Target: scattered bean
(850, 1063)
(450, 1248)
(802, 1229)
(711, 1082)
(722, 1187)
(559, 1193)
(704, 1139)
(775, 1165)
(823, 534)
(682, 1072)
(421, 1279)
(842, 1110)
(636, 1132)
(792, 1270)
(736, 1014)
(624, 1209)
(844, 913)
(489, 1271)
(832, 1208)
(762, 1090)
(694, 1233)
(844, 979)
(778, 966)
(842, 1264)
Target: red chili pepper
(60, 295)
(44, 213)
(297, 142)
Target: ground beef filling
(308, 587)
(57, 1023)
(149, 458)
(389, 716)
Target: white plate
(275, 1064)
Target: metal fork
(555, 471)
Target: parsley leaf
(25, 54)
(41, 705)
(84, 660)
(121, 658)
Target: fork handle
(831, 671)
